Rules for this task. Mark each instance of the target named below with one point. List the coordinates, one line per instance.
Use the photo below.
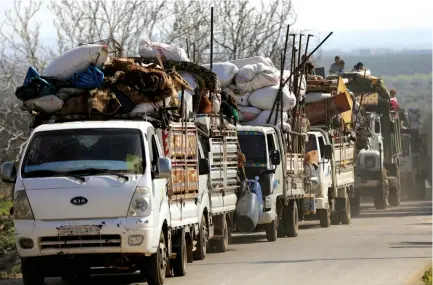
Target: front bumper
(113, 237)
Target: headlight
(141, 203)
(22, 209)
(370, 161)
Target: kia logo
(79, 201)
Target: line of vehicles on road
(152, 193)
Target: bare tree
(90, 21)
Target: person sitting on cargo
(358, 67)
(341, 66)
(336, 66)
(393, 101)
(229, 107)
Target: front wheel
(154, 269)
(31, 272)
(272, 230)
(180, 263)
(202, 240)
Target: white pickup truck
(102, 195)
(281, 177)
(332, 181)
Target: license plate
(79, 230)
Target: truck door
(159, 184)
(277, 178)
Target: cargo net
(180, 145)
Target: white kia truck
(103, 195)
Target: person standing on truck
(336, 66)
(341, 66)
(229, 107)
(393, 101)
(358, 67)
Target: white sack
(149, 107)
(303, 85)
(312, 97)
(256, 76)
(367, 72)
(253, 60)
(264, 98)
(225, 72)
(262, 118)
(243, 100)
(216, 104)
(48, 104)
(248, 113)
(77, 60)
(170, 52)
(286, 127)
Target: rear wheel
(380, 198)
(292, 224)
(180, 263)
(31, 272)
(346, 215)
(202, 240)
(223, 243)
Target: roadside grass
(9, 262)
(427, 277)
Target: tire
(31, 272)
(355, 206)
(292, 218)
(325, 217)
(202, 240)
(346, 215)
(335, 218)
(394, 197)
(420, 188)
(179, 264)
(411, 188)
(154, 269)
(380, 199)
(221, 245)
(271, 230)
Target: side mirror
(163, 167)
(8, 172)
(203, 166)
(327, 151)
(275, 158)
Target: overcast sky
(356, 23)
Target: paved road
(388, 247)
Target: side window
(322, 146)
(271, 142)
(155, 153)
(377, 126)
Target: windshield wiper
(52, 173)
(91, 171)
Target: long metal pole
(211, 38)
(300, 48)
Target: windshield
(253, 146)
(405, 143)
(84, 150)
(311, 144)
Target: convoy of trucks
(155, 192)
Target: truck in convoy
(122, 192)
(378, 147)
(280, 173)
(106, 184)
(414, 154)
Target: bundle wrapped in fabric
(226, 72)
(247, 114)
(165, 51)
(264, 98)
(262, 118)
(255, 76)
(243, 100)
(77, 60)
